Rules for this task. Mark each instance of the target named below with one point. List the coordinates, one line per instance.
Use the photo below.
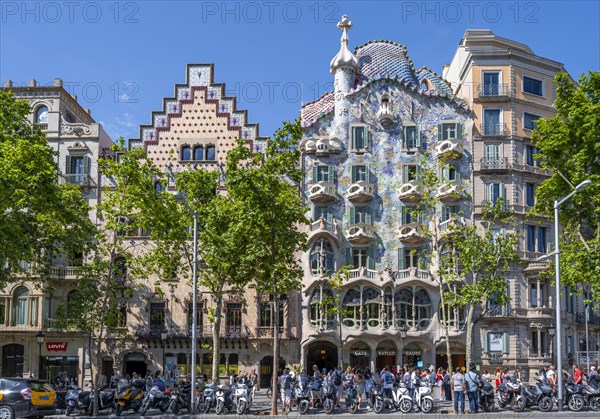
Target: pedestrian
(149, 381)
(388, 382)
(338, 384)
(254, 378)
(446, 382)
(593, 371)
(551, 376)
(486, 376)
(498, 375)
(577, 376)
(368, 386)
(459, 388)
(472, 380)
(285, 382)
(359, 382)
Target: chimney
(58, 82)
(8, 83)
(32, 83)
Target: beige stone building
(196, 128)
(29, 339)
(508, 87)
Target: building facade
(196, 128)
(364, 147)
(508, 87)
(30, 343)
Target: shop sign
(56, 346)
(412, 353)
(386, 353)
(360, 353)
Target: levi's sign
(56, 346)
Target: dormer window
(385, 111)
(41, 115)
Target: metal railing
(496, 310)
(493, 90)
(78, 179)
(491, 130)
(494, 163)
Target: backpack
(287, 382)
(337, 379)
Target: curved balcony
(451, 191)
(411, 233)
(322, 192)
(361, 191)
(321, 146)
(410, 191)
(323, 227)
(413, 273)
(360, 233)
(450, 149)
(308, 145)
(327, 146)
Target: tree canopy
(569, 144)
(40, 217)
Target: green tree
(568, 145)
(40, 218)
(119, 265)
(267, 185)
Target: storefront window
(411, 355)
(52, 365)
(386, 355)
(359, 356)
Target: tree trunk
(275, 356)
(469, 339)
(446, 331)
(215, 338)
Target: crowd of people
(464, 384)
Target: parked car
(26, 398)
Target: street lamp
(163, 337)
(40, 340)
(194, 298)
(556, 253)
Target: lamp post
(587, 337)
(40, 340)
(552, 333)
(163, 337)
(558, 203)
(194, 298)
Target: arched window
(186, 153)
(422, 309)
(20, 306)
(41, 115)
(211, 153)
(322, 258)
(198, 152)
(69, 118)
(372, 307)
(404, 306)
(455, 316)
(351, 309)
(314, 313)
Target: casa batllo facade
(363, 146)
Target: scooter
(486, 396)
(180, 397)
(575, 399)
(224, 399)
(106, 400)
(242, 397)
(76, 399)
(329, 399)
(351, 398)
(302, 395)
(402, 398)
(129, 395)
(423, 399)
(209, 400)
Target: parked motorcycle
(423, 399)
(106, 399)
(381, 400)
(302, 396)
(129, 395)
(76, 399)
(224, 399)
(242, 397)
(155, 399)
(209, 401)
(402, 397)
(591, 393)
(508, 392)
(574, 397)
(486, 396)
(329, 399)
(180, 397)
(351, 398)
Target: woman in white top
(551, 375)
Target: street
(442, 410)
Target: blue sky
(122, 57)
